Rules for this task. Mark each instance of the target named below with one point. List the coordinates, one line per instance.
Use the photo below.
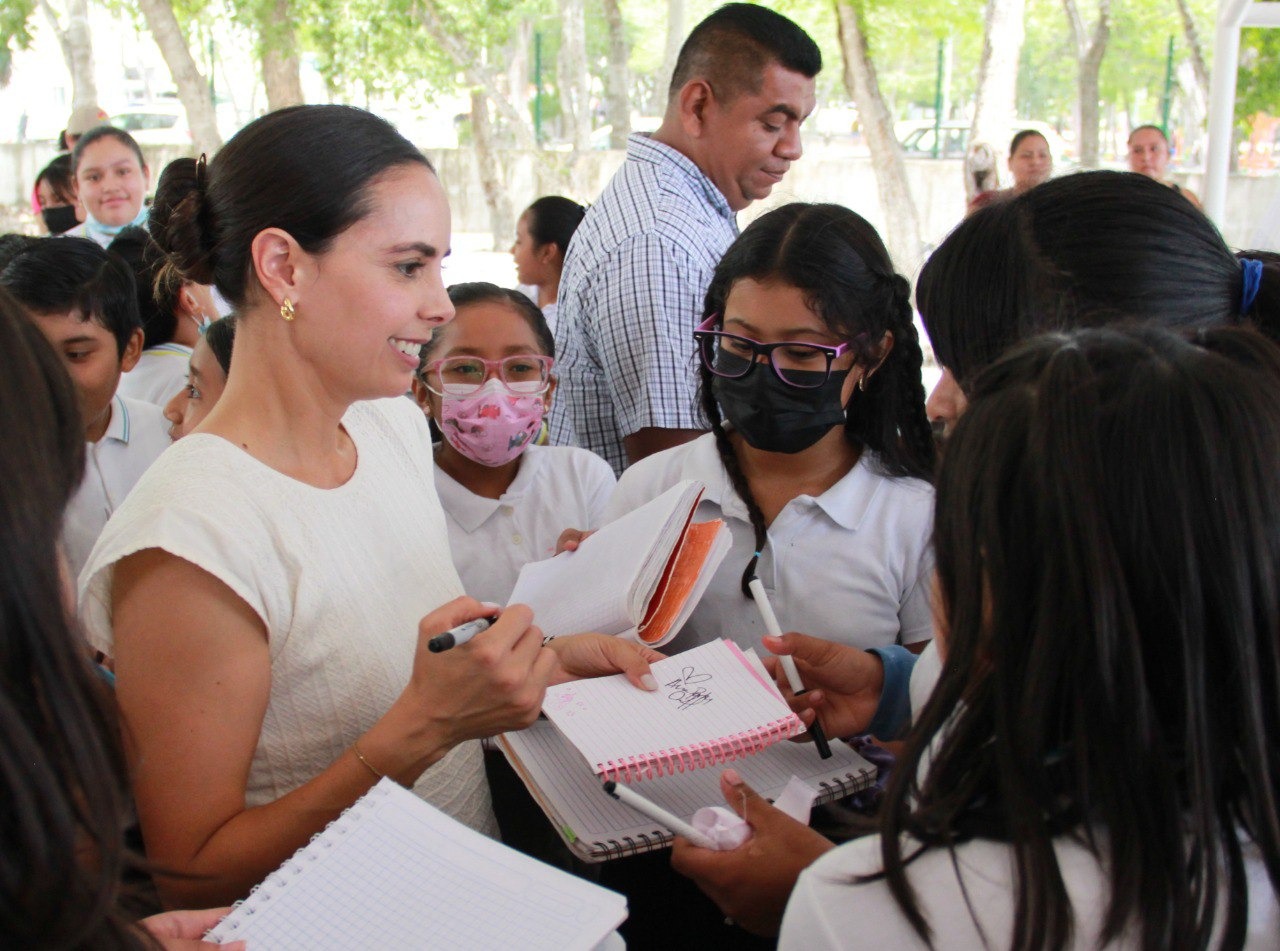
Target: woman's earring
(862, 382)
(286, 309)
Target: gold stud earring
(286, 309)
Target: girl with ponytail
(820, 454)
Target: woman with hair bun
(300, 526)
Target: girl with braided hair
(820, 454)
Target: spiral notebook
(712, 705)
(597, 828)
(394, 873)
(639, 577)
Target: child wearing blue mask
(485, 380)
(112, 179)
(820, 454)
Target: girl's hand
(751, 884)
(183, 930)
(598, 655)
(571, 538)
(844, 682)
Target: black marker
(457, 636)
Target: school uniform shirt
(135, 437)
(853, 565)
(830, 908)
(160, 373)
(556, 487)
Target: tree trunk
(675, 39)
(445, 33)
(281, 70)
(571, 74)
(996, 101)
(193, 88)
(901, 221)
(1197, 51)
(1090, 47)
(77, 50)
(617, 94)
(501, 216)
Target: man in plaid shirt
(639, 265)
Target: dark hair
(60, 178)
(553, 220)
(13, 244)
(1023, 135)
(837, 260)
(75, 275)
(157, 287)
(61, 772)
(1082, 250)
(176, 181)
(99, 132)
(1108, 551)
(221, 337)
(482, 292)
(733, 46)
(304, 169)
(1143, 128)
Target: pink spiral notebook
(713, 704)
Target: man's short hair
(731, 48)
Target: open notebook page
(546, 759)
(396, 873)
(711, 705)
(605, 585)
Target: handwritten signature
(684, 694)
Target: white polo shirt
(557, 487)
(160, 372)
(853, 565)
(135, 437)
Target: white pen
(657, 814)
(457, 636)
(774, 629)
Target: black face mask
(774, 417)
(59, 218)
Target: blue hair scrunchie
(1251, 278)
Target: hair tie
(202, 173)
(1251, 279)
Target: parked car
(917, 138)
(159, 123)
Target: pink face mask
(492, 425)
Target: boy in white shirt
(82, 299)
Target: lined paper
(395, 873)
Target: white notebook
(712, 705)
(598, 828)
(639, 577)
(394, 873)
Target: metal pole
(1166, 101)
(537, 81)
(1222, 99)
(937, 98)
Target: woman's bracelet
(355, 748)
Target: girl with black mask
(820, 454)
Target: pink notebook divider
(698, 756)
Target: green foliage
(15, 17)
(1258, 83)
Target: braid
(729, 459)
(889, 417)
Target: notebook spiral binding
(670, 761)
(263, 892)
